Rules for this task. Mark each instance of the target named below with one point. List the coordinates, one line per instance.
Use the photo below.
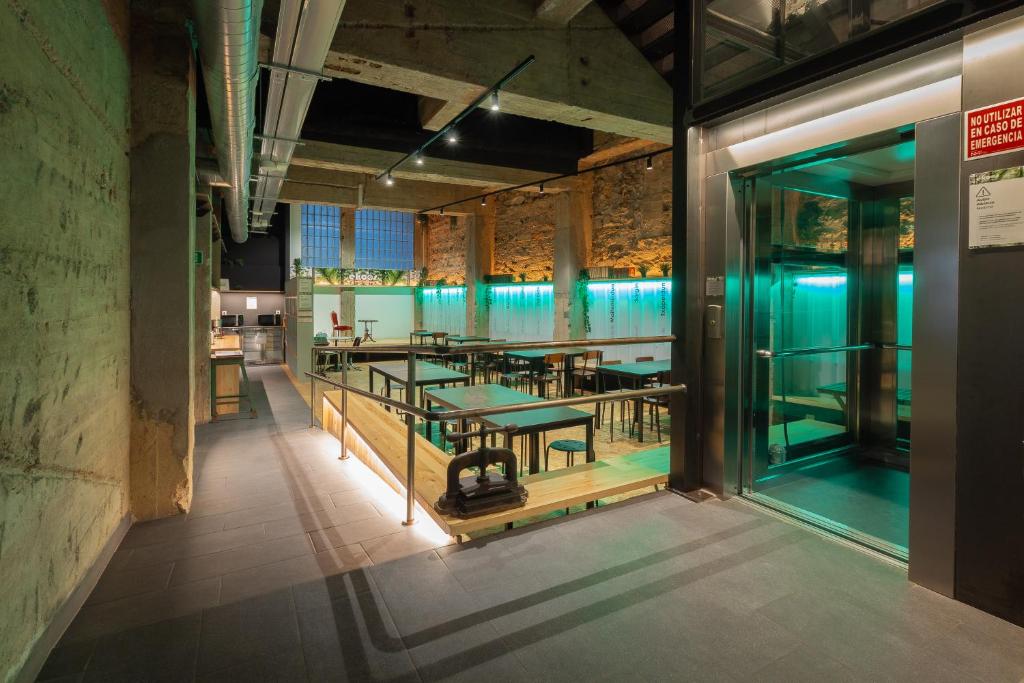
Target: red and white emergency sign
(994, 129)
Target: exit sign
(995, 129)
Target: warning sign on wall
(996, 208)
(994, 130)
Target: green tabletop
(534, 354)
(420, 333)
(495, 395)
(462, 339)
(637, 370)
(426, 373)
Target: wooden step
(378, 439)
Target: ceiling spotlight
(389, 180)
(483, 201)
(442, 210)
(452, 137)
(495, 105)
(650, 163)
(419, 159)
(542, 188)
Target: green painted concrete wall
(64, 317)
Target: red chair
(340, 330)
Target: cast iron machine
(485, 492)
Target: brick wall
(524, 234)
(446, 249)
(64, 398)
(633, 214)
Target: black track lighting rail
(493, 90)
(647, 156)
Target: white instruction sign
(996, 201)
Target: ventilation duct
(304, 34)
(228, 34)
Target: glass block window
(321, 236)
(384, 239)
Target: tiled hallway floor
(286, 570)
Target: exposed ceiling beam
(364, 160)
(559, 12)
(435, 114)
(617, 148)
(319, 186)
(587, 74)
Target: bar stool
(568, 446)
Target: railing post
(344, 405)
(410, 442)
(312, 397)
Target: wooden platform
(377, 438)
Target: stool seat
(568, 445)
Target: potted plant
(522, 277)
(666, 269)
(297, 268)
(423, 276)
(643, 268)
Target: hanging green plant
(583, 297)
(488, 298)
(423, 276)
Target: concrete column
(479, 262)
(204, 234)
(573, 226)
(162, 270)
(347, 313)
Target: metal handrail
(491, 347)
(413, 411)
(767, 353)
(467, 413)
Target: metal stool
(568, 446)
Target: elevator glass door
(829, 292)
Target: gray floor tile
(175, 529)
(254, 555)
(106, 618)
(353, 532)
(354, 639)
(115, 585)
(296, 570)
(322, 519)
(67, 659)
(397, 545)
(162, 651)
(198, 545)
(257, 630)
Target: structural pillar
(573, 228)
(163, 209)
(347, 311)
(202, 260)
(479, 262)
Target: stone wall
(446, 249)
(64, 397)
(632, 226)
(524, 234)
(633, 215)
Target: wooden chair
(588, 370)
(655, 403)
(553, 371)
(611, 384)
(516, 374)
